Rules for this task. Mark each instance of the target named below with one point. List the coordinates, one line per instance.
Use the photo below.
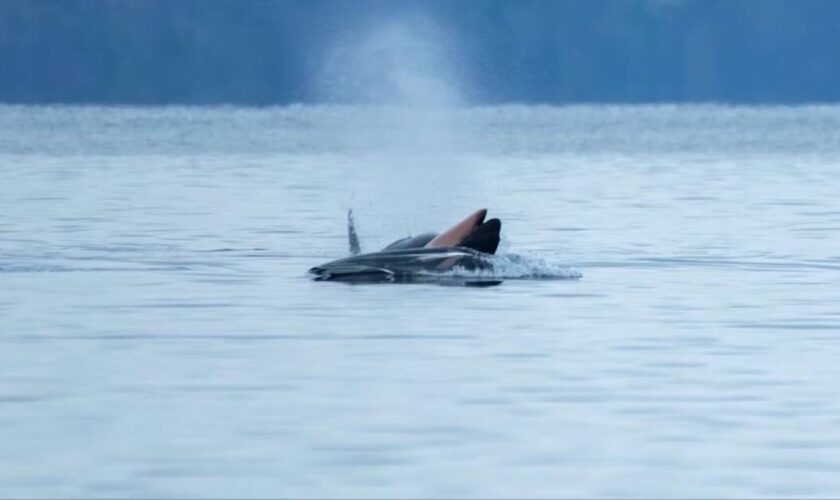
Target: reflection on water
(161, 337)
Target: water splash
(405, 62)
(516, 266)
(404, 81)
(398, 89)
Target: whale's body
(467, 245)
(411, 264)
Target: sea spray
(398, 88)
(511, 266)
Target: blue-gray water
(160, 337)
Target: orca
(468, 245)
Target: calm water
(160, 337)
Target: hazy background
(280, 52)
(160, 336)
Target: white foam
(516, 266)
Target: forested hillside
(273, 52)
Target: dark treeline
(270, 51)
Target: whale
(468, 245)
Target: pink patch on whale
(457, 233)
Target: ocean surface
(668, 322)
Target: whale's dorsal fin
(352, 236)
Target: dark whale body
(410, 264)
(418, 258)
